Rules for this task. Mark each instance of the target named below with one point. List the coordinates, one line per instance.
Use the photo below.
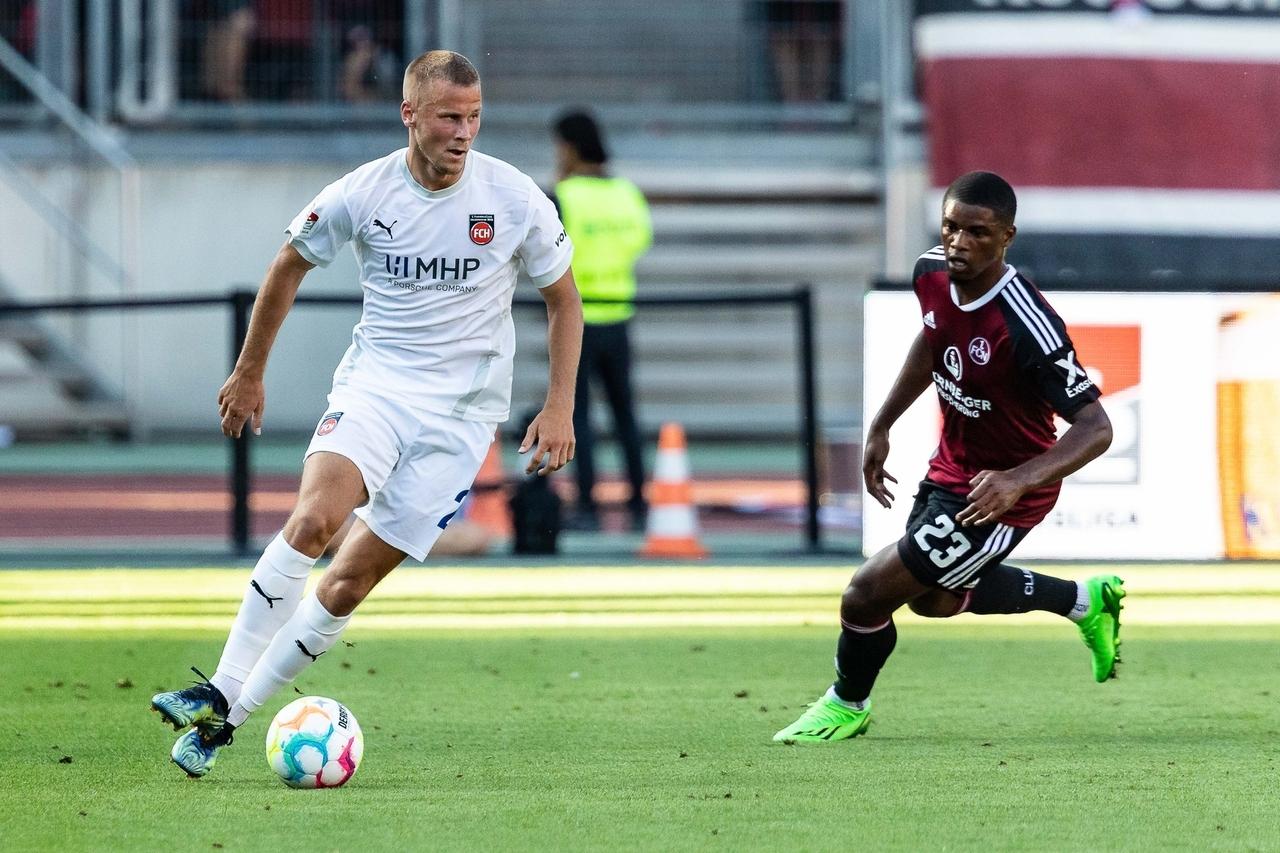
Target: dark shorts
(939, 552)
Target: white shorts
(417, 465)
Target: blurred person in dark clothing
(283, 50)
(224, 54)
(370, 31)
(805, 44)
(607, 218)
(18, 26)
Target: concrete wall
(204, 229)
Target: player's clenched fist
(241, 400)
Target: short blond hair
(438, 65)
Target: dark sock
(1009, 589)
(859, 656)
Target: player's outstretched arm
(242, 396)
(552, 430)
(994, 492)
(913, 379)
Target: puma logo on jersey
(929, 321)
(387, 228)
(298, 643)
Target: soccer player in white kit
(439, 231)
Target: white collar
(433, 194)
(986, 297)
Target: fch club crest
(482, 228)
(328, 423)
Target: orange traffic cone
(488, 501)
(673, 524)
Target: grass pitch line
(1220, 611)
(603, 597)
(128, 584)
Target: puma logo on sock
(298, 643)
(271, 599)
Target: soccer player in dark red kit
(1002, 364)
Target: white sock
(835, 697)
(273, 593)
(1081, 608)
(310, 632)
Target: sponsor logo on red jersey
(951, 358)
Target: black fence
(240, 304)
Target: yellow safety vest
(608, 221)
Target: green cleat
(826, 719)
(201, 705)
(196, 754)
(1100, 628)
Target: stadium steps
(47, 392)
(737, 231)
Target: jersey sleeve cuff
(297, 243)
(1069, 413)
(552, 276)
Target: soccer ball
(314, 742)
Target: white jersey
(438, 270)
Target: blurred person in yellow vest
(608, 221)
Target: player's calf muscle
(938, 604)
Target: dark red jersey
(1002, 365)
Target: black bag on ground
(535, 516)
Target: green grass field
(988, 734)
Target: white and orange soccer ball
(314, 742)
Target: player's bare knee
(858, 605)
(309, 529)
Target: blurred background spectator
(224, 56)
(18, 27)
(805, 43)
(607, 218)
(283, 50)
(370, 31)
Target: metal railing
(240, 305)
